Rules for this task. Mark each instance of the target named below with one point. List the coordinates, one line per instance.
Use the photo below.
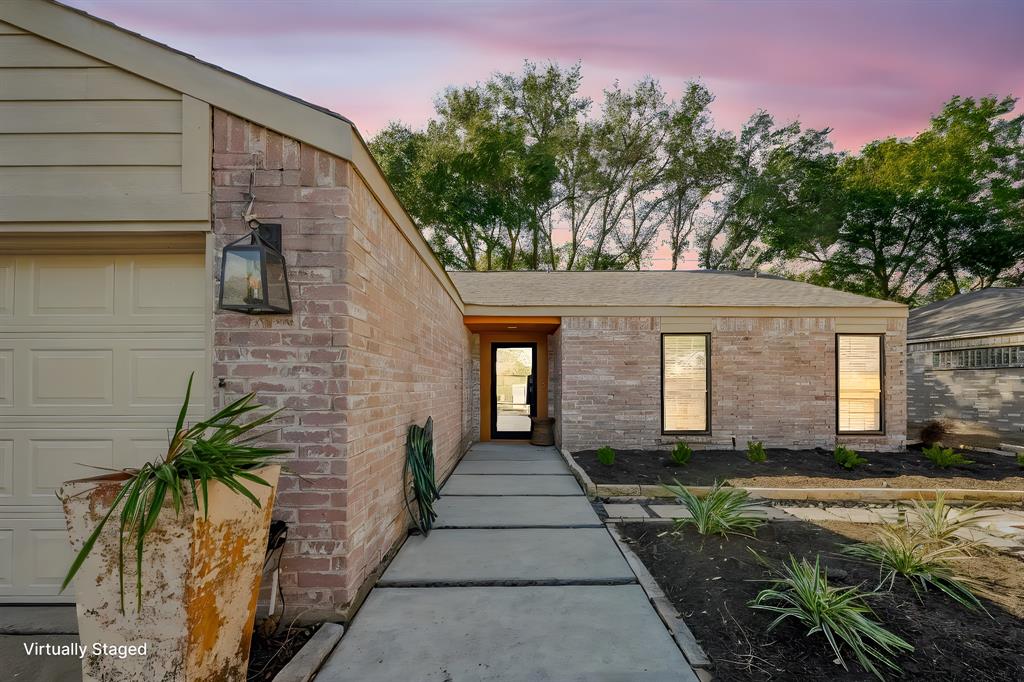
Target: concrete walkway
(518, 581)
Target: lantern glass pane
(243, 281)
(277, 284)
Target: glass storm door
(513, 389)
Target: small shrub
(606, 456)
(933, 432)
(944, 458)
(722, 511)
(1020, 459)
(841, 614)
(905, 552)
(681, 454)
(755, 452)
(847, 458)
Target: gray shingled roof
(649, 288)
(984, 312)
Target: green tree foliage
(524, 172)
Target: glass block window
(684, 382)
(995, 357)
(859, 364)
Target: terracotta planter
(200, 581)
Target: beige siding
(84, 142)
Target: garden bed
(804, 469)
(710, 580)
(268, 654)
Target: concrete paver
(566, 633)
(561, 555)
(474, 484)
(512, 511)
(521, 453)
(548, 467)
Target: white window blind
(860, 383)
(684, 382)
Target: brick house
(126, 166)
(965, 365)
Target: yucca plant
(801, 591)
(939, 524)
(900, 551)
(722, 511)
(216, 449)
(419, 467)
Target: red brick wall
(374, 344)
(772, 379)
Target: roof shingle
(649, 288)
(989, 311)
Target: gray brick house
(965, 364)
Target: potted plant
(170, 555)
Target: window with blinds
(684, 383)
(859, 363)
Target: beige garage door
(95, 352)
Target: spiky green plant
(419, 475)
(212, 450)
(755, 452)
(801, 591)
(847, 458)
(606, 456)
(681, 454)
(899, 551)
(723, 510)
(944, 458)
(939, 524)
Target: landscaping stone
(473, 484)
(625, 511)
(569, 633)
(513, 555)
(304, 665)
(511, 511)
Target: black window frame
(707, 384)
(882, 384)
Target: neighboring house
(125, 167)
(966, 364)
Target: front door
(513, 389)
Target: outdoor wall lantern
(253, 275)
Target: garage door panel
(6, 287)
(101, 375)
(6, 470)
(6, 377)
(75, 286)
(6, 558)
(78, 293)
(165, 286)
(150, 369)
(72, 377)
(55, 460)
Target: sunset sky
(867, 69)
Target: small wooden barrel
(543, 431)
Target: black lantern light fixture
(254, 279)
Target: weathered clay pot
(200, 583)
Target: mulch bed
(710, 581)
(803, 468)
(269, 653)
